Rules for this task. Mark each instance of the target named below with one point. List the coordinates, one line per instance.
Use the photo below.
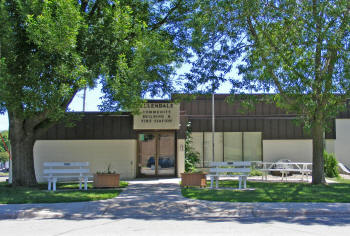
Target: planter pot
(106, 180)
(193, 179)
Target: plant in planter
(106, 179)
(191, 177)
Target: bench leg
(217, 181)
(240, 182)
(54, 184)
(49, 185)
(80, 182)
(211, 181)
(85, 183)
(245, 181)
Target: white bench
(305, 169)
(230, 169)
(55, 171)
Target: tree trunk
(317, 153)
(22, 143)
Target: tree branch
(162, 21)
(84, 4)
(256, 37)
(94, 8)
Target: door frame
(156, 133)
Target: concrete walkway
(162, 199)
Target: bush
(330, 165)
(191, 156)
(255, 172)
(4, 156)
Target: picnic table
(304, 168)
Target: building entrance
(156, 154)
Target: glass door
(156, 154)
(147, 154)
(166, 162)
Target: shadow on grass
(66, 192)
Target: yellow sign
(158, 116)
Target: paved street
(156, 207)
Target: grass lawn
(65, 193)
(272, 192)
(340, 180)
(4, 173)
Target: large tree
(298, 50)
(50, 50)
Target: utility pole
(213, 123)
(84, 99)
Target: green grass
(65, 193)
(273, 192)
(4, 173)
(340, 180)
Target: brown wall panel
(93, 126)
(61, 132)
(80, 129)
(235, 124)
(98, 127)
(89, 128)
(51, 133)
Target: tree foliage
(49, 50)
(191, 156)
(4, 156)
(296, 49)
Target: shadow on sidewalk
(163, 201)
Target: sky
(92, 101)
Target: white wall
(121, 154)
(294, 150)
(180, 156)
(330, 145)
(342, 143)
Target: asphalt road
(209, 226)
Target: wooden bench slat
(234, 163)
(230, 170)
(66, 164)
(67, 176)
(66, 171)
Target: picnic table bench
(285, 168)
(240, 169)
(72, 171)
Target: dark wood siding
(273, 122)
(94, 126)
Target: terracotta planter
(106, 180)
(193, 179)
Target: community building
(152, 143)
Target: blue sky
(92, 101)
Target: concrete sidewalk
(162, 199)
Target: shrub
(330, 165)
(191, 156)
(255, 172)
(4, 156)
